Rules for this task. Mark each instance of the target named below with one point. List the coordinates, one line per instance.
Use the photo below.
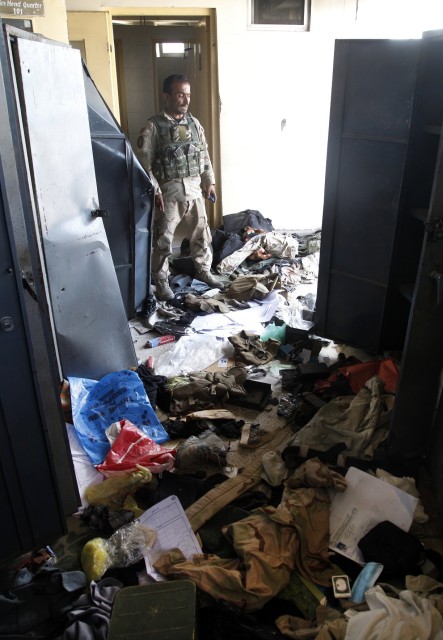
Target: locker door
(92, 332)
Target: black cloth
(187, 487)
(105, 520)
(236, 222)
(224, 621)
(90, 616)
(37, 602)
(398, 551)
(151, 382)
(224, 244)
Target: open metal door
(126, 192)
(37, 480)
(92, 332)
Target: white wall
(53, 25)
(269, 76)
(138, 69)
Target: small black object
(100, 213)
(313, 370)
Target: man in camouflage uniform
(173, 150)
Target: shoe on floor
(206, 276)
(163, 291)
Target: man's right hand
(159, 201)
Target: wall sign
(21, 8)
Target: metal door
(37, 482)
(125, 191)
(421, 375)
(91, 328)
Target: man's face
(177, 102)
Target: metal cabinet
(380, 281)
(374, 83)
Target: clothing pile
(231, 478)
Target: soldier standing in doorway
(173, 150)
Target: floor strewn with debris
(237, 482)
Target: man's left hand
(210, 192)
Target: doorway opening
(150, 47)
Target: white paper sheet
(85, 472)
(173, 531)
(228, 324)
(366, 502)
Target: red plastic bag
(133, 448)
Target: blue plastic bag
(97, 404)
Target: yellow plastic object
(95, 559)
(112, 492)
(124, 548)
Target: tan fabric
(333, 630)
(210, 305)
(248, 287)
(297, 628)
(360, 421)
(331, 625)
(164, 226)
(314, 473)
(214, 500)
(248, 348)
(308, 509)
(267, 545)
(211, 414)
(428, 587)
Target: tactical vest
(180, 152)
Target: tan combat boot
(204, 275)
(162, 290)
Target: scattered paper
(228, 324)
(173, 529)
(366, 502)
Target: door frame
(212, 129)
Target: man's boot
(204, 275)
(162, 290)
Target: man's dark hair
(169, 81)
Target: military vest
(180, 152)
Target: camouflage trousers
(164, 226)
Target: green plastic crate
(165, 610)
